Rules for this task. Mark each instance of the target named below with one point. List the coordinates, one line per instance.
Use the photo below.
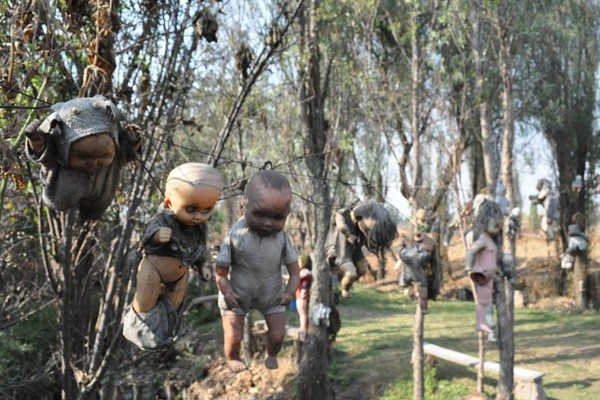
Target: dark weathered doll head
(267, 201)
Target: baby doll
(482, 263)
(303, 293)
(549, 201)
(174, 240)
(415, 260)
(367, 225)
(82, 147)
(249, 266)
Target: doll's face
(266, 210)
(492, 227)
(91, 153)
(192, 205)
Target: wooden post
(504, 309)
(480, 366)
(579, 278)
(417, 355)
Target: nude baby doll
(174, 240)
(249, 263)
(303, 294)
(482, 263)
(82, 147)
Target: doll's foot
(271, 362)
(346, 294)
(484, 328)
(236, 366)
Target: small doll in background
(173, 241)
(82, 147)
(303, 294)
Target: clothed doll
(82, 147)
(482, 264)
(303, 294)
(368, 225)
(173, 241)
(415, 259)
(549, 201)
(577, 243)
(249, 266)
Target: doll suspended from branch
(483, 262)
(548, 199)
(364, 224)
(82, 147)
(173, 241)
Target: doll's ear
(50, 124)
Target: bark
(313, 381)
(417, 355)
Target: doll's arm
(475, 248)
(231, 298)
(341, 226)
(293, 282)
(162, 235)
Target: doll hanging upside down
(175, 239)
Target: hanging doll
(82, 147)
(173, 241)
(577, 243)
(415, 260)
(364, 224)
(549, 201)
(481, 263)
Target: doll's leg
(362, 267)
(148, 287)
(484, 295)
(348, 279)
(177, 291)
(233, 329)
(275, 336)
(302, 306)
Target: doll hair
(384, 230)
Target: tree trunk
(505, 338)
(313, 381)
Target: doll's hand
(206, 272)
(352, 238)
(232, 299)
(133, 134)
(286, 298)
(35, 137)
(163, 235)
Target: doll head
(192, 191)
(492, 227)
(86, 131)
(267, 202)
(304, 261)
(376, 223)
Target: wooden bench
(528, 383)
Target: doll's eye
(206, 211)
(191, 209)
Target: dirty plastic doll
(173, 241)
(248, 271)
(482, 265)
(82, 147)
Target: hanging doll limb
(233, 328)
(275, 336)
(484, 295)
(176, 291)
(148, 287)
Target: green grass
(374, 347)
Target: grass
(373, 350)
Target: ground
(196, 365)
